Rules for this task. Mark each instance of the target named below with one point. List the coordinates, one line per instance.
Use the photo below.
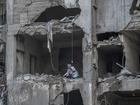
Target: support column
(88, 72)
(87, 76)
(9, 12)
(94, 52)
(10, 57)
(10, 64)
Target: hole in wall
(108, 57)
(57, 12)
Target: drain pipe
(94, 52)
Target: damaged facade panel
(40, 33)
(57, 13)
(27, 12)
(43, 89)
(43, 36)
(132, 52)
(110, 52)
(131, 44)
(122, 87)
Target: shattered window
(2, 12)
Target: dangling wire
(72, 40)
(67, 99)
(72, 44)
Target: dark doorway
(73, 98)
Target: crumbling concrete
(25, 18)
(41, 89)
(125, 83)
(22, 12)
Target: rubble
(111, 41)
(39, 78)
(42, 28)
(48, 79)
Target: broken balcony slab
(116, 85)
(27, 89)
(56, 28)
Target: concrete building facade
(43, 37)
(99, 37)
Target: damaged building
(39, 38)
(43, 37)
(118, 54)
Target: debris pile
(49, 79)
(124, 74)
(39, 78)
(112, 41)
(42, 28)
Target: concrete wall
(18, 13)
(27, 11)
(51, 91)
(35, 94)
(132, 54)
(112, 15)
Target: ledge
(55, 28)
(115, 85)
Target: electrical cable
(67, 99)
(72, 44)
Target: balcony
(120, 84)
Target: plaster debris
(111, 41)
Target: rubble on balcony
(54, 26)
(124, 81)
(111, 41)
(49, 80)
